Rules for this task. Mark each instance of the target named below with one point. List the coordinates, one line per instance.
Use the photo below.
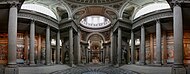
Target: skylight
(95, 21)
(150, 8)
(39, 8)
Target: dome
(93, 2)
(95, 21)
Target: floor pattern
(94, 70)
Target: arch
(95, 33)
(123, 8)
(40, 9)
(68, 9)
(62, 12)
(105, 8)
(150, 8)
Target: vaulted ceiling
(68, 8)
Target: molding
(122, 23)
(27, 14)
(94, 33)
(166, 13)
(67, 24)
(4, 4)
(95, 30)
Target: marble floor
(95, 69)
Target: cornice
(166, 13)
(122, 23)
(26, 14)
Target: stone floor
(42, 69)
(148, 69)
(94, 69)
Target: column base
(48, 64)
(38, 62)
(158, 64)
(11, 70)
(179, 70)
(142, 63)
(117, 65)
(12, 66)
(73, 65)
(32, 64)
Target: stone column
(12, 36)
(79, 47)
(32, 42)
(119, 47)
(132, 48)
(12, 41)
(62, 52)
(71, 46)
(48, 54)
(158, 43)
(178, 35)
(58, 48)
(112, 48)
(142, 46)
(178, 41)
(107, 53)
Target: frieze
(38, 17)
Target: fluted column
(112, 48)
(48, 57)
(142, 46)
(32, 42)
(87, 59)
(158, 43)
(12, 36)
(71, 46)
(79, 47)
(58, 48)
(107, 52)
(119, 47)
(132, 48)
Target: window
(95, 21)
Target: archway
(95, 49)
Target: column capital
(142, 26)
(158, 20)
(13, 4)
(132, 31)
(176, 3)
